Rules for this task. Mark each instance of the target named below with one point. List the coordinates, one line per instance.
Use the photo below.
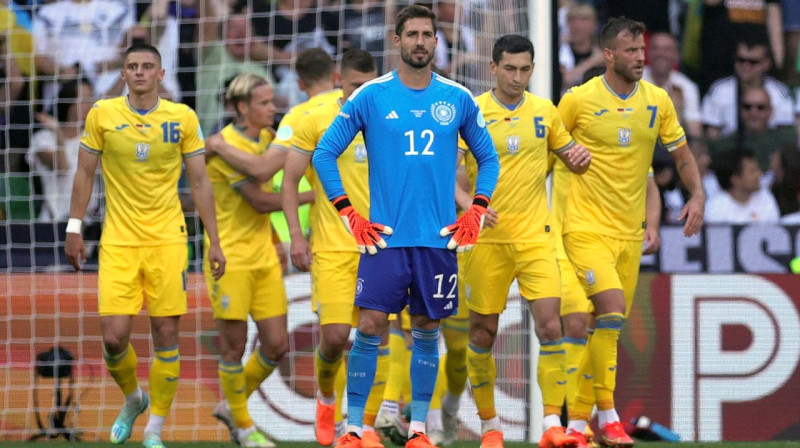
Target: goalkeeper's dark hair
(730, 163)
(358, 60)
(511, 44)
(241, 88)
(314, 65)
(142, 48)
(413, 12)
(617, 25)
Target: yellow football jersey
(523, 138)
(621, 133)
(327, 232)
(142, 153)
(245, 235)
(290, 121)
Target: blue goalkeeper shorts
(424, 278)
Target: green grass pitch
(475, 444)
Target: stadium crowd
(239, 62)
(731, 93)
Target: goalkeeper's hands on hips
(467, 228)
(365, 232)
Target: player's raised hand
(300, 252)
(365, 232)
(693, 213)
(216, 260)
(467, 228)
(75, 250)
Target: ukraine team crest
(624, 136)
(512, 144)
(443, 112)
(142, 151)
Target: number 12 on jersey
(426, 136)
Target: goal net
(47, 305)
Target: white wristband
(74, 225)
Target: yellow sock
(573, 349)
(552, 376)
(339, 384)
(581, 404)
(326, 371)
(164, 374)
(396, 377)
(482, 376)
(456, 337)
(440, 387)
(122, 368)
(378, 386)
(604, 358)
(257, 369)
(231, 378)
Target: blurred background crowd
(730, 66)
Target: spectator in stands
(456, 50)
(721, 103)
(791, 29)
(756, 111)
(15, 110)
(78, 36)
(580, 51)
(224, 45)
(285, 29)
(743, 200)
(664, 56)
(53, 155)
(786, 167)
(363, 26)
(174, 27)
(722, 19)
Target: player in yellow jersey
(524, 128)
(142, 140)
(315, 70)
(331, 256)
(253, 284)
(620, 118)
(575, 307)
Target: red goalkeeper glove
(365, 232)
(466, 229)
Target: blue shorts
(424, 278)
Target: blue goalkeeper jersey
(411, 140)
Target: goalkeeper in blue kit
(411, 119)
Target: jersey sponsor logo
(490, 122)
(512, 144)
(624, 136)
(361, 153)
(284, 132)
(121, 127)
(443, 112)
(600, 112)
(392, 115)
(142, 151)
(417, 112)
(344, 115)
